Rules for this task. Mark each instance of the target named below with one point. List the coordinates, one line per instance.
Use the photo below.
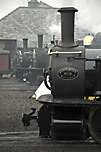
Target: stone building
(27, 23)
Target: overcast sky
(89, 10)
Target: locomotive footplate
(68, 102)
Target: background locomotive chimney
(40, 40)
(67, 25)
(25, 43)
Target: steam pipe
(67, 25)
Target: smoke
(55, 28)
(89, 11)
(65, 3)
(89, 14)
(59, 3)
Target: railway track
(29, 141)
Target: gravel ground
(13, 102)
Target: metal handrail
(57, 52)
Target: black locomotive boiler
(73, 109)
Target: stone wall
(25, 22)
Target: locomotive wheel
(94, 124)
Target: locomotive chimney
(25, 44)
(67, 25)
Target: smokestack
(25, 44)
(67, 25)
(40, 40)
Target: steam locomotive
(29, 64)
(73, 109)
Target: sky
(88, 16)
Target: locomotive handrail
(57, 52)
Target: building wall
(36, 19)
(26, 22)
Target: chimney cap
(69, 9)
